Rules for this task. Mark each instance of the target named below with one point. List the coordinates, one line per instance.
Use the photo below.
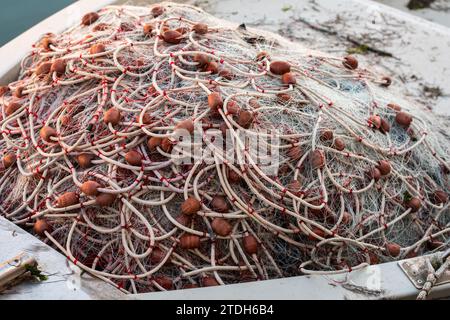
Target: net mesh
(352, 174)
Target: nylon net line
(94, 164)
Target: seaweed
(419, 4)
(35, 272)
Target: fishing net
(160, 148)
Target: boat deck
(414, 51)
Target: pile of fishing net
(160, 148)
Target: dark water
(16, 16)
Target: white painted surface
(386, 281)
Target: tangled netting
(90, 161)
